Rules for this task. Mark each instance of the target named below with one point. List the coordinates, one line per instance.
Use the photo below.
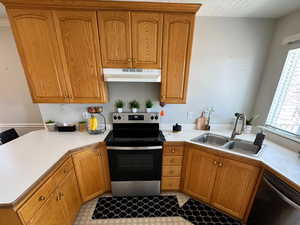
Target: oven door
(135, 163)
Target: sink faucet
(239, 116)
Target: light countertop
(26, 159)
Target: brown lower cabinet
(68, 193)
(52, 212)
(227, 184)
(56, 201)
(62, 206)
(91, 171)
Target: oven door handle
(133, 148)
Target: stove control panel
(152, 117)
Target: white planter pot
(134, 110)
(248, 129)
(50, 127)
(120, 110)
(148, 110)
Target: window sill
(280, 133)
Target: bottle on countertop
(259, 139)
(201, 122)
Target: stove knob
(156, 117)
(115, 117)
(152, 118)
(119, 117)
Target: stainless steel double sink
(234, 145)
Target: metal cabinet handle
(173, 151)
(220, 164)
(215, 162)
(129, 60)
(42, 198)
(60, 195)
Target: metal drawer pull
(173, 151)
(42, 198)
(220, 164)
(215, 162)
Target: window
(285, 109)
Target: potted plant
(50, 125)
(249, 123)
(149, 105)
(82, 126)
(119, 105)
(134, 105)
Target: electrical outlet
(190, 115)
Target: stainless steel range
(135, 154)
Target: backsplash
(180, 113)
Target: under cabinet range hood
(132, 75)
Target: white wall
(227, 61)
(285, 27)
(16, 106)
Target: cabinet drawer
(172, 160)
(63, 171)
(173, 150)
(36, 201)
(171, 171)
(170, 183)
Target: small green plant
(250, 121)
(82, 122)
(119, 104)
(149, 104)
(49, 121)
(134, 104)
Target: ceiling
(234, 8)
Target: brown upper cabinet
(34, 33)
(146, 39)
(78, 40)
(64, 45)
(177, 48)
(60, 54)
(130, 39)
(115, 38)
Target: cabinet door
(177, 46)
(90, 172)
(147, 39)
(234, 186)
(115, 38)
(69, 193)
(35, 37)
(201, 169)
(79, 44)
(52, 213)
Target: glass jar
(96, 123)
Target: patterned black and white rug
(159, 206)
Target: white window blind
(285, 110)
